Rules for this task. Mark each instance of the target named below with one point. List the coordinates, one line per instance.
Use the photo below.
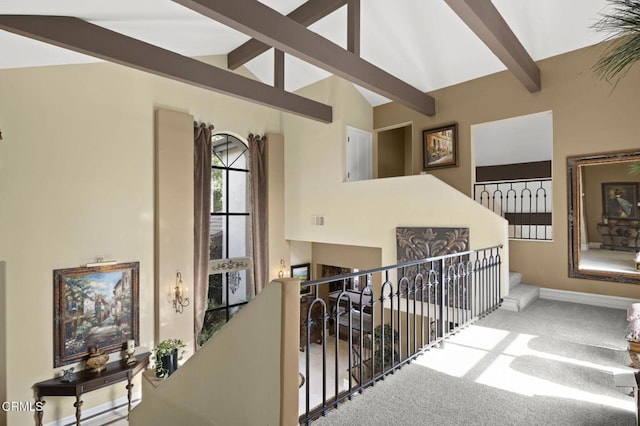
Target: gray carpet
(552, 364)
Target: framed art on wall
(303, 273)
(440, 147)
(96, 306)
(620, 200)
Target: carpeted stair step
(515, 278)
(519, 297)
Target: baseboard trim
(102, 414)
(615, 302)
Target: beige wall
(397, 143)
(364, 213)
(588, 117)
(278, 246)
(346, 256)
(408, 149)
(301, 252)
(174, 217)
(77, 182)
(391, 153)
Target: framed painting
(620, 200)
(440, 147)
(96, 306)
(303, 273)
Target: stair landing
(520, 295)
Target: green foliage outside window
(216, 189)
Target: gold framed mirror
(604, 227)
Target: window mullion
(227, 163)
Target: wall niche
(393, 151)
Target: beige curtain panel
(258, 172)
(202, 213)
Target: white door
(359, 154)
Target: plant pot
(168, 364)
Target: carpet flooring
(552, 364)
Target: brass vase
(97, 360)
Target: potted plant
(167, 354)
(383, 354)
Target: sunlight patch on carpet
(500, 375)
(463, 351)
(456, 361)
(479, 337)
(499, 359)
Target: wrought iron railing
(526, 204)
(353, 338)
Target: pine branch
(623, 25)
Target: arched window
(230, 272)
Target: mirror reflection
(604, 220)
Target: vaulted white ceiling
(422, 42)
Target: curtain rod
(203, 125)
(257, 136)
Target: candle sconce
(180, 299)
(283, 269)
(130, 358)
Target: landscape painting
(440, 147)
(94, 307)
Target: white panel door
(359, 154)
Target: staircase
(520, 295)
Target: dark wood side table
(86, 381)
(623, 234)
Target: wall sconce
(180, 299)
(283, 267)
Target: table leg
(78, 404)
(129, 386)
(40, 411)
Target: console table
(620, 234)
(86, 381)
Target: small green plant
(386, 352)
(166, 348)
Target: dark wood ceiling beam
(278, 69)
(308, 13)
(267, 25)
(84, 37)
(353, 27)
(482, 17)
